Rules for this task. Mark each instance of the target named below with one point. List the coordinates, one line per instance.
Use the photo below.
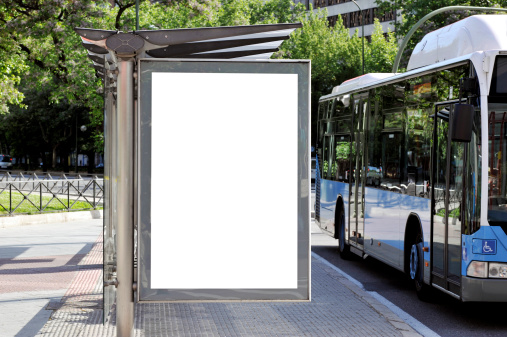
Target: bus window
(328, 162)
(419, 132)
(393, 96)
(391, 159)
(330, 109)
(322, 113)
(342, 153)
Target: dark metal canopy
(258, 41)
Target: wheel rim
(414, 262)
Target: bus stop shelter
(140, 70)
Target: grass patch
(32, 204)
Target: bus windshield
(497, 165)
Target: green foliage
(38, 44)
(381, 51)
(250, 12)
(43, 127)
(334, 54)
(38, 38)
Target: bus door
(358, 181)
(447, 192)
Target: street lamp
(362, 28)
(83, 129)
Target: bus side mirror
(462, 121)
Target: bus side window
(327, 162)
(322, 112)
(342, 157)
(419, 133)
(392, 158)
(330, 109)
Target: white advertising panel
(214, 155)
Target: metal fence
(30, 192)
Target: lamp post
(362, 29)
(83, 129)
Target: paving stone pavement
(338, 308)
(62, 293)
(38, 264)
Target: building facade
(351, 15)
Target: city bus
(412, 167)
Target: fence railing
(28, 193)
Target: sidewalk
(38, 265)
(338, 308)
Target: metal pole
(123, 155)
(76, 143)
(411, 32)
(362, 29)
(137, 14)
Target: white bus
(412, 167)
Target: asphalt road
(444, 315)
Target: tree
(381, 51)
(37, 40)
(414, 10)
(335, 55)
(38, 37)
(43, 129)
(10, 76)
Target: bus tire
(342, 246)
(416, 270)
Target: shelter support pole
(124, 157)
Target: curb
(23, 220)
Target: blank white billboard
(224, 181)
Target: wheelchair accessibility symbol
(489, 246)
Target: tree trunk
(91, 161)
(53, 159)
(65, 161)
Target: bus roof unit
(360, 81)
(475, 33)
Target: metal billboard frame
(146, 67)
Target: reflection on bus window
(342, 151)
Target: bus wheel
(416, 272)
(344, 248)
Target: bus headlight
(487, 269)
(478, 269)
(498, 270)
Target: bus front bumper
(483, 290)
